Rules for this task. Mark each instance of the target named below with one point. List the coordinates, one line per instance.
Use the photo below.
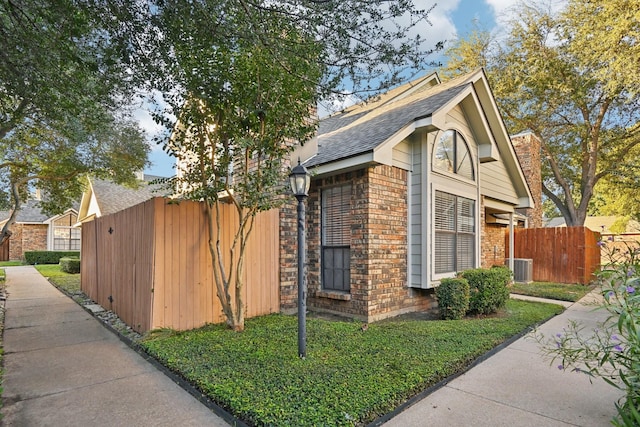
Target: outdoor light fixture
(300, 181)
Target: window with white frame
(66, 237)
(336, 238)
(455, 233)
(451, 154)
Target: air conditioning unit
(522, 269)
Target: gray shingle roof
(113, 197)
(30, 212)
(352, 134)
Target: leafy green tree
(571, 77)
(66, 72)
(242, 77)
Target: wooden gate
(560, 254)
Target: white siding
(402, 155)
(415, 216)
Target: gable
(377, 136)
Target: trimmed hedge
(48, 257)
(488, 288)
(70, 265)
(453, 298)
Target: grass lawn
(10, 263)
(349, 377)
(66, 281)
(559, 291)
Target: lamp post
(300, 181)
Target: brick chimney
(527, 148)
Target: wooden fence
(560, 254)
(4, 251)
(150, 264)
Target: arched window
(451, 154)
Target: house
(36, 231)
(102, 197)
(406, 190)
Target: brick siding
(378, 249)
(27, 237)
(527, 148)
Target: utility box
(522, 269)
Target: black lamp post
(300, 181)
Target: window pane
(466, 215)
(336, 226)
(454, 241)
(444, 252)
(465, 251)
(443, 155)
(336, 238)
(464, 167)
(445, 211)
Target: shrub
(453, 298)
(487, 288)
(48, 257)
(612, 351)
(70, 265)
(2, 276)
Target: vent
(522, 270)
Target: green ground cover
(350, 376)
(557, 291)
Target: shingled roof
(363, 127)
(113, 197)
(30, 213)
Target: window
(336, 238)
(452, 154)
(65, 236)
(454, 233)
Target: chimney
(527, 148)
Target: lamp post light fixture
(300, 181)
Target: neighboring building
(103, 197)
(407, 189)
(36, 231)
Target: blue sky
(450, 18)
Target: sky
(449, 19)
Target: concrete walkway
(63, 368)
(516, 387)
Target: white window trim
(468, 193)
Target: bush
(2, 276)
(48, 257)
(453, 298)
(70, 265)
(487, 288)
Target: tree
(242, 77)
(66, 72)
(570, 77)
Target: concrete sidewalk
(517, 387)
(63, 368)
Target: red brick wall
(15, 244)
(378, 249)
(527, 148)
(27, 237)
